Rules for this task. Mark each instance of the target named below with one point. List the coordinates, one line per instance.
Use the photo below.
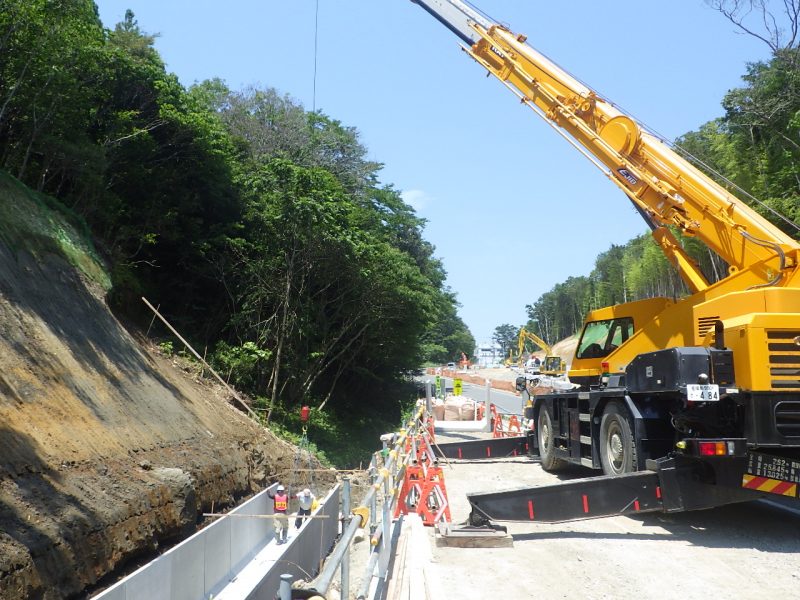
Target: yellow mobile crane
(552, 364)
(683, 404)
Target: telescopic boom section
(457, 17)
(665, 188)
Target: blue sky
(512, 208)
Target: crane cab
(604, 331)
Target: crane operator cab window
(601, 338)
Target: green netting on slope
(40, 225)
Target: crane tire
(617, 445)
(544, 433)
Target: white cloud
(416, 199)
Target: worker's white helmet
(281, 488)
(306, 492)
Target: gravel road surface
(741, 551)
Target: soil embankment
(107, 451)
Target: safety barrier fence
(386, 471)
(405, 463)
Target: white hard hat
(306, 492)
(280, 487)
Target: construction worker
(306, 500)
(280, 508)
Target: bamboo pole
(200, 358)
(237, 515)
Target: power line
(316, 35)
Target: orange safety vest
(281, 502)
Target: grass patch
(40, 225)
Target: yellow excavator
(552, 364)
(683, 404)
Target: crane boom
(666, 189)
(457, 17)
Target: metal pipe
(366, 581)
(488, 403)
(387, 536)
(346, 555)
(373, 504)
(286, 587)
(428, 397)
(323, 581)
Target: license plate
(702, 392)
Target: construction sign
(438, 387)
(457, 387)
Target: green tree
(506, 336)
(260, 228)
(48, 91)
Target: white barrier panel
(445, 426)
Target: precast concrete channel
(237, 557)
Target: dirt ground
(739, 551)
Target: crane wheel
(544, 432)
(617, 446)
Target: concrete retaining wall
(204, 564)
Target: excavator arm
(552, 365)
(524, 334)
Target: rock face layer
(107, 451)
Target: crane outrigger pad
(486, 449)
(468, 536)
(571, 500)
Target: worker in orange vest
(280, 508)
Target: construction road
(740, 551)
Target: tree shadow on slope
(42, 521)
(51, 289)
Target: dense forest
(259, 228)
(753, 150)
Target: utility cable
(316, 36)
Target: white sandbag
(468, 411)
(452, 408)
(438, 410)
